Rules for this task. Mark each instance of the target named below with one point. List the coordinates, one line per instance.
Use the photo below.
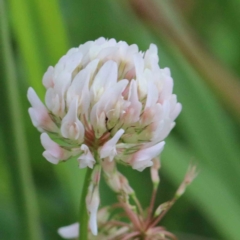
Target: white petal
(79, 90)
(151, 56)
(139, 65)
(143, 157)
(152, 95)
(132, 112)
(53, 151)
(86, 159)
(93, 200)
(50, 157)
(92, 207)
(69, 232)
(110, 105)
(177, 109)
(141, 165)
(109, 148)
(167, 71)
(55, 102)
(39, 113)
(48, 78)
(163, 129)
(34, 99)
(105, 78)
(93, 223)
(72, 127)
(167, 88)
(98, 120)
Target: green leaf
(20, 163)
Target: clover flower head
(109, 98)
(106, 102)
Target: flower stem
(83, 219)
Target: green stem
(83, 220)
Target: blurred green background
(197, 39)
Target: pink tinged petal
(132, 113)
(93, 220)
(139, 65)
(176, 111)
(92, 68)
(109, 52)
(113, 103)
(175, 108)
(109, 106)
(152, 109)
(167, 88)
(98, 121)
(166, 106)
(55, 102)
(142, 81)
(84, 49)
(79, 90)
(71, 51)
(74, 61)
(113, 95)
(152, 95)
(143, 158)
(167, 71)
(69, 232)
(130, 74)
(108, 166)
(54, 153)
(158, 130)
(151, 114)
(39, 113)
(48, 78)
(109, 148)
(127, 52)
(62, 82)
(141, 165)
(151, 56)
(50, 157)
(72, 127)
(86, 159)
(105, 78)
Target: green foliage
(42, 31)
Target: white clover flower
(106, 97)
(106, 102)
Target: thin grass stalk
(25, 181)
(27, 40)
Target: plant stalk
(20, 167)
(83, 219)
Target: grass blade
(24, 181)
